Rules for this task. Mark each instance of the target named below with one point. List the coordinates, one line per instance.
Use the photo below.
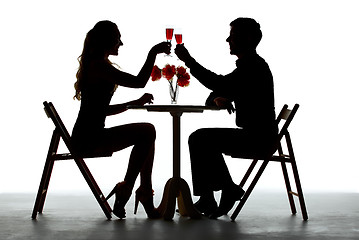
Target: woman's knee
(148, 131)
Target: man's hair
(247, 26)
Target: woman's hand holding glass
(163, 47)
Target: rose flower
(169, 71)
(156, 73)
(182, 77)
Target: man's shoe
(206, 206)
(228, 199)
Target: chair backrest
(60, 127)
(52, 113)
(285, 117)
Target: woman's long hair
(101, 38)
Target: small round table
(176, 187)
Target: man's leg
(209, 170)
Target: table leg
(185, 204)
(176, 187)
(176, 116)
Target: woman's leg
(142, 137)
(146, 170)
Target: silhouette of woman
(97, 80)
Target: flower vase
(173, 92)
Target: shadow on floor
(265, 216)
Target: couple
(249, 87)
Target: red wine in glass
(178, 38)
(169, 34)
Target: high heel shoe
(145, 196)
(123, 193)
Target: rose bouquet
(168, 72)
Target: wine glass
(169, 35)
(178, 37)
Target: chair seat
(258, 156)
(96, 155)
(67, 156)
(281, 158)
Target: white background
(310, 45)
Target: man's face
(238, 43)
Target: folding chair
(285, 117)
(52, 156)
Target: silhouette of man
(250, 88)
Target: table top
(174, 108)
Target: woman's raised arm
(139, 81)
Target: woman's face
(117, 44)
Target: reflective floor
(265, 216)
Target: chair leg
(300, 191)
(249, 190)
(289, 189)
(46, 175)
(41, 194)
(94, 187)
(296, 178)
(248, 173)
